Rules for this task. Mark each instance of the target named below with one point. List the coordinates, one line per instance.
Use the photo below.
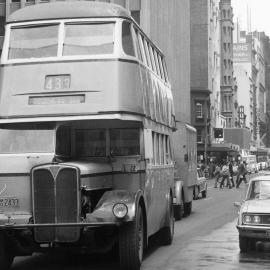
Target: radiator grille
(56, 200)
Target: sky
(260, 14)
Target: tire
(178, 210)
(132, 242)
(204, 193)
(187, 208)
(6, 258)
(168, 231)
(243, 244)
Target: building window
(229, 47)
(229, 79)
(199, 110)
(224, 47)
(225, 63)
(229, 13)
(136, 15)
(199, 136)
(224, 13)
(224, 30)
(225, 79)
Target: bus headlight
(120, 210)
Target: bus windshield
(46, 40)
(28, 140)
(33, 42)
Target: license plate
(9, 202)
(56, 82)
(268, 233)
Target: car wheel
(204, 193)
(166, 233)
(6, 258)
(243, 244)
(131, 243)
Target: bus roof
(61, 10)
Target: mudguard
(103, 211)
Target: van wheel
(6, 258)
(178, 210)
(131, 243)
(167, 232)
(187, 208)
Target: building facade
(229, 104)
(251, 58)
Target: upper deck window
(127, 40)
(33, 42)
(88, 38)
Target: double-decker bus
(86, 117)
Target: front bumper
(23, 222)
(258, 232)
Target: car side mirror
(237, 204)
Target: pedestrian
(241, 175)
(225, 175)
(217, 174)
(231, 175)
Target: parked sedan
(254, 215)
(201, 186)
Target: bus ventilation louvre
(56, 199)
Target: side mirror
(237, 204)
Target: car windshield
(27, 140)
(259, 190)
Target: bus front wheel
(131, 243)
(6, 258)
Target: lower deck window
(124, 142)
(90, 143)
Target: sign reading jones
(241, 52)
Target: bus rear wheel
(6, 258)
(131, 243)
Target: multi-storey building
(228, 103)
(201, 19)
(251, 58)
(213, 87)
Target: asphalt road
(207, 239)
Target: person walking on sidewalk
(225, 175)
(217, 174)
(231, 174)
(241, 175)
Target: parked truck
(185, 156)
